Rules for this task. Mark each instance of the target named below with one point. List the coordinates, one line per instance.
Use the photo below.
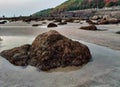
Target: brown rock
(109, 21)
(49, 50)
(62, 23)
(90, 27)
(52, 25)
(91, 22)
(18, 55)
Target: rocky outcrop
(51, 25)
(49, 50)
(90, 27)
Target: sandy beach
(102, 71)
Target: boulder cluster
(49, 50)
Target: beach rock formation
(90, 27)
(51, 25)
(49, 50)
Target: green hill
(71, 5)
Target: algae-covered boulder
(49, 50)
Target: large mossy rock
(50, 50)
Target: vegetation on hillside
(71, 5)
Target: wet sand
(106, 36)
(102, 71)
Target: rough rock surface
(52, 25)
(109, 21)
(18, 55)
(90, 27)
(49, 50)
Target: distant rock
(118, 32)
(51, 25)
(0, 39)
(35, 25)
(49, 50)
(58, 20)
(109, 21)
(69, 20)
(90, 27)
(3, 22)
(62, 23)
(91, 22)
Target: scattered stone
(69, 20)
(90, 27)
(118, 32)
(58, 20)
(0, 39)
(52, 25)
(35, 25)
(109, 21)
(62, 23)
(3, 22)
(91, 22)
(44, 22)
(49, 50)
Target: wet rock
(18, 55)
(35, 25)
(58, 20)
(62, 23)
(90, 27)
(52, 25)
(118, 32)
(0, 39)
(109, 21)
(69, 20)
(49, 50)
(3, 22)
(91, 22)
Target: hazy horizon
(11, 8)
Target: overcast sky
(25, 7)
